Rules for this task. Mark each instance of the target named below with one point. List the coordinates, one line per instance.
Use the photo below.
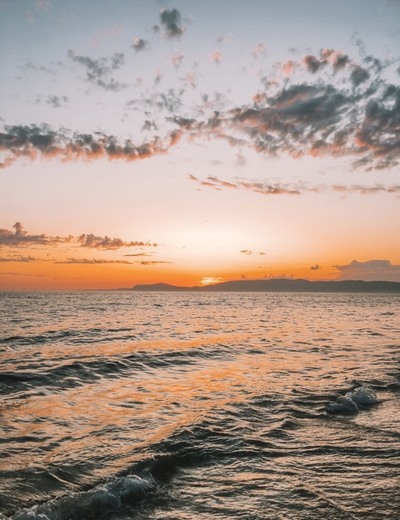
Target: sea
(196, 406)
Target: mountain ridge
(278, 285)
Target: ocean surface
(187, 406)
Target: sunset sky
(191, 142)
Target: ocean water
(187, 406)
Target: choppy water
(189, 406)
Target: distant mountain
(280, 285)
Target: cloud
(139, 254)
(98, 71)
(380, 270)
(277, 188)
(315, 267)
(216, 56)
(21, 238)
(331, 106)
(170, 19)
(4, 274)
(57, 101)
(367, 190)
(153, 262)
(259, 50)
(34, 141)
(249, 252)
(139, 44)
(91, 261)
(262, 187)
(19, 259)
(95, 242)
(29, 66)
(322, 105)
(177, 59)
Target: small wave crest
(104, 499)
(352, 402)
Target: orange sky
(196, 147)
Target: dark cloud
(264, 188)
(95, 242)
(20, 238)
(91, 261)
(170, 19)
(139, 44)
(153, 262)
(40, 141)
(315, 267)
(168, 101)
(366, 190)
(29, 66)
(139, 254)
(18, 259)
(339, 109)
(312, 63)
(355, 115)
(358, 75)
(57, 101)
(380, 270)
(4, 274)
(276, 188)
(99, 71)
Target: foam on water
(353, 401)
(104, 499)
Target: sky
(192, 142)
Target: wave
(354, 401)
(115, 496)
(74, 373)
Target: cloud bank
(382, 270)
(320, 105)
(21, 238)
(41, 141)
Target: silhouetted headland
(280, 285)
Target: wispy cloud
(277, 188)
(250, 252)
(93, 261)
(33, 142)
(6, 274)
(99, 71)
(330, 107)
(319, 105)
(382, 270)
(18, 259)
(57, 101)
(21, 238)
(264, 188)
(153, 262)
(95, 242)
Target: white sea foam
(350, 403)
(105, 498)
